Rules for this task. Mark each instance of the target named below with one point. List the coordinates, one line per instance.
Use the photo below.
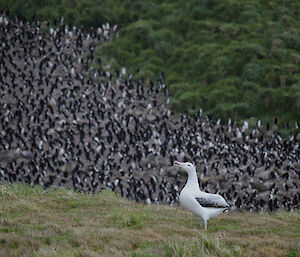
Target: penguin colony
(90, 129)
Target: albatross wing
(212, 200)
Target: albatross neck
(192, 180)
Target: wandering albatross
(200, 203)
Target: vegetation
(38, 222)
(234, 59)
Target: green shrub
(153, 68)
(252, 72)
(253, 51)
(291, 41)
(294, 92)
(146, 74)
(273, 27)
(172, 79)
(281, 54)
(230, 30)
(138, 62)
(187, 100)
(272, 78)
(266, 98)
(157, 12)
(176, 56)
(249, 17)
(71, 16)
(165, 35)
(198, 13)
(85, 19)
(250, 86)
(281, 11)
(48, 13)
(223, 94)
(232, 11)
(154, 60)
(93, 17)
(148, 53)
(220, 66)
(163, 49)
(232, 110)
(295, 58)
(287, 21)
(21, 8)
(141, 32)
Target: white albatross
(200, 203)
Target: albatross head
(187, 166)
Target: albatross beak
(178, 164)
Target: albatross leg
(201, 223)
(205, 223)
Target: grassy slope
(238, 58)
(34, 222)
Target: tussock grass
(38, 222)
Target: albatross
(200, 203)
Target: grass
(38, 222)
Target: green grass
(37, 222)
(237, 58)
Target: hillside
(87, 129)
(38, 222)
(235, 59)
